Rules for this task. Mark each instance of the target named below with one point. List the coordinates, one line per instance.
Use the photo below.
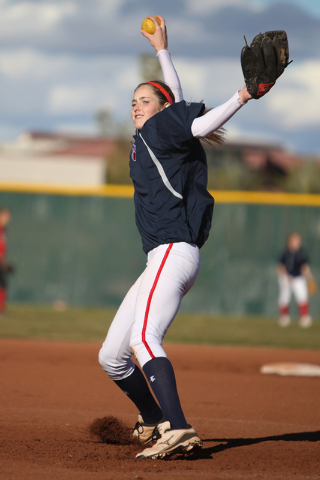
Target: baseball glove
(312, 286)
(264, 61)
(7, 268)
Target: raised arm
(170, 75)
(217, 117)
(159, 41)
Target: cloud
(65, 99)
(198, 29)
(215, 80)
(59, 26)
(31, 19)
(296, 102)
(52, 90)
(288, 110)
(206, 7)
(61, 60)
(27, 64)
(34, 86)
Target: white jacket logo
(134, 153)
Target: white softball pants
(295, 285)
(149, 308)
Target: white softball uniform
(295, 285)
(153, 301)
(149, 308)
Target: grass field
(75, 324)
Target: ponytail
(215, 139)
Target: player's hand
(244, 95)
(159, 39)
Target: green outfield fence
(81, 245)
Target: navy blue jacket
(168, 167)
(293, 261)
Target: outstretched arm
(159, 41)
(217, 117)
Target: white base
(298, 369)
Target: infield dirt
(252, 425)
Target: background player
(173, 215)
(294, 272)
(5, 268)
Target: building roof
(258, 155)
(65, 144)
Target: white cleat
(171, 442)
(143, 432)
(284, 320)
(305, 321)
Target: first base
(297, 369)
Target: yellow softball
(148, 25)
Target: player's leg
(284, 300)
(115, 359)
(171, 272)
(300, 290)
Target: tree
(104, 122)
(149, 68)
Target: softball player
(173, 214)
(293, 270)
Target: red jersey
(3, 242)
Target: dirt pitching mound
(252, 425)
(112, 431)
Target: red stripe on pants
(146, 316)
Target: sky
(62, 60)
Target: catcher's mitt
(312, 286)
(264, 61)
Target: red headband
(162, 90)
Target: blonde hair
(215, 139)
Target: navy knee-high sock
(160, 375)
(137, 389)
